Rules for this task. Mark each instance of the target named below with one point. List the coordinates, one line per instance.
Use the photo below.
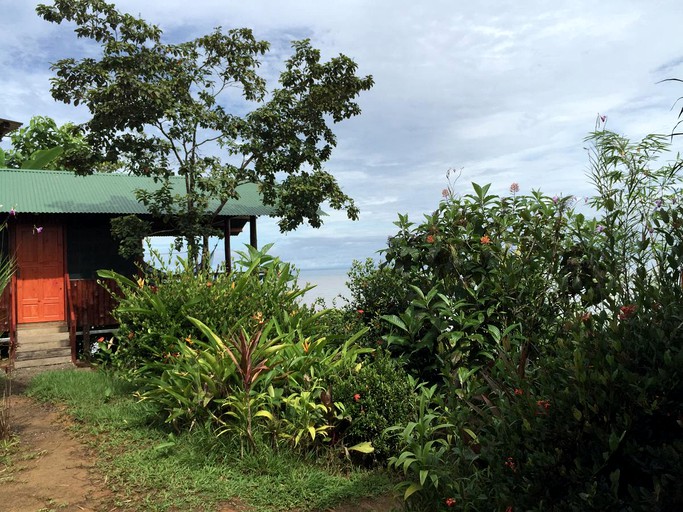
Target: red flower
(544, 403)
(510, 463)
(430, 239)
(626, 312)
(450, 502)
(519, 392)
(485, 240)
(356, 397)
(100, 339)
(360, 311)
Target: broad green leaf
(364, 447)
(412, 489)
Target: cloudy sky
(503, 90)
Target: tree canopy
(161, 108)
(44, 145)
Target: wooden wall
(92, 304)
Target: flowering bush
(376, 394)
(493, 262)
(562, 388)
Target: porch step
(42, 328)
(46, 361)
(42, 340)
(42, 344)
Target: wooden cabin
(58, 232)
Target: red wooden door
(40, 273)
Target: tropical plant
(375, 395)
(153, 311)
(44, 145)
(588, 419)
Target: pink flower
(450, 502)
(519, 392)
(445, 193)
(514, 188)
(12, 211)
(555, 199)
(356, 397)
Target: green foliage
(575, 404)
(427, 442)
(155, 106)
(376, 394)
(477, 267)
(130, 231)
(376, 291)
(44, 145)
(153, 311)
(255, 368)
(148, 469)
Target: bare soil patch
(51, 470)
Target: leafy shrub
(576, 404)
(153, 312)
(484, 260)
(376, 291)
(376, 395)
(259, 376)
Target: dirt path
(50, 470)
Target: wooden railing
(72, 319)
(5, 311)
(90, 308)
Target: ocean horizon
(330, 286)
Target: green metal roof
(32, 191)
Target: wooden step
(23, 354)
(42, 327)
(42, 344)
(46, 361)
(56, 338)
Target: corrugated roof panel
(34, 191)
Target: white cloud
(506, 90)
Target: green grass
(148, 468)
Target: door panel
(40, 265)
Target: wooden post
(252, 232)
(227, 231)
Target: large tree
(200, 109)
